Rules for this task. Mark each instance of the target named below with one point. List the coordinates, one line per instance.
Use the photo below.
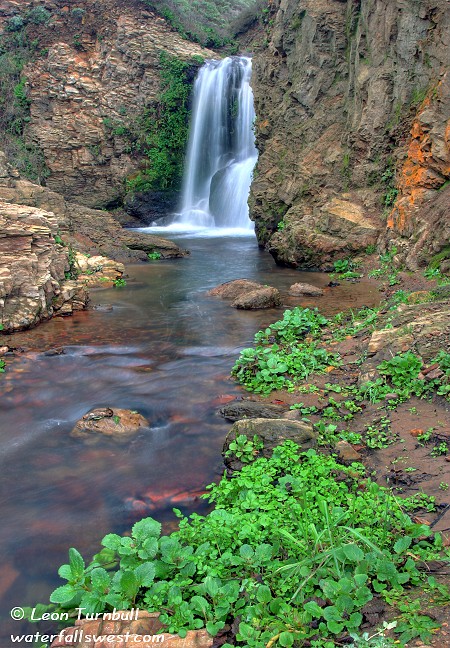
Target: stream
(160, 346)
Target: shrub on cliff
(204, 21)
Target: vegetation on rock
(16, 50)
(212, 23)
(161, 131)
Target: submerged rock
(271, 433)
(111, 422)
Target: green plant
(288, 551)
(425, 436)
(379, 435)
(154, 256)
(282, 357)
(119, 283)
(402, 370)
(245, 449)
(38, 16)
(443, 486)
(160, 132)
(440, 449)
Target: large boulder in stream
(247, 295)
(110, 422)
(271, 433)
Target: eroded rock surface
(90, 231)
(98, 70)
(337, 87)
(111, 422)
(33, 285)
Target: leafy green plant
(119, 283)
(160, 132)
(245, 449)
(283, 357)
(402, 370)
(290, 552)
(154, 256)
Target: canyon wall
(95, 70)
(352, 100)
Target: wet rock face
(336, 90)
(33, 286)
(99, 73)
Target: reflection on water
(165, 349)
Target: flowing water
(221, 150)
(160, 346)
(166, 350)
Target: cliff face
(97, 68)
(337, 90)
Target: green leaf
(146, 528)
(214, 628)
(335, 627)
(246, 552)
(112, 541)
(200, 604)
(129, 584)
(313, 609)
(65, 571)
(263, 594)
(145, 574)
(286, 639)
(353, 553)
(100, 579)
(402, 544)
(63, 594)
(76, 563)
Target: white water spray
(221, 151)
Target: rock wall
(96, 69)
(33, 286)
(89, 231)
(337, 87)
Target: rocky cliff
(95, 69)
(353, 114)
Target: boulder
(234, 289)
(110, 422)
(272, 433)
(247, 295)
(258, 299)
(299, 289)
(238, 410)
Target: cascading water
(221, 152)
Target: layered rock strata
(337, 87)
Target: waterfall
(221, 151)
